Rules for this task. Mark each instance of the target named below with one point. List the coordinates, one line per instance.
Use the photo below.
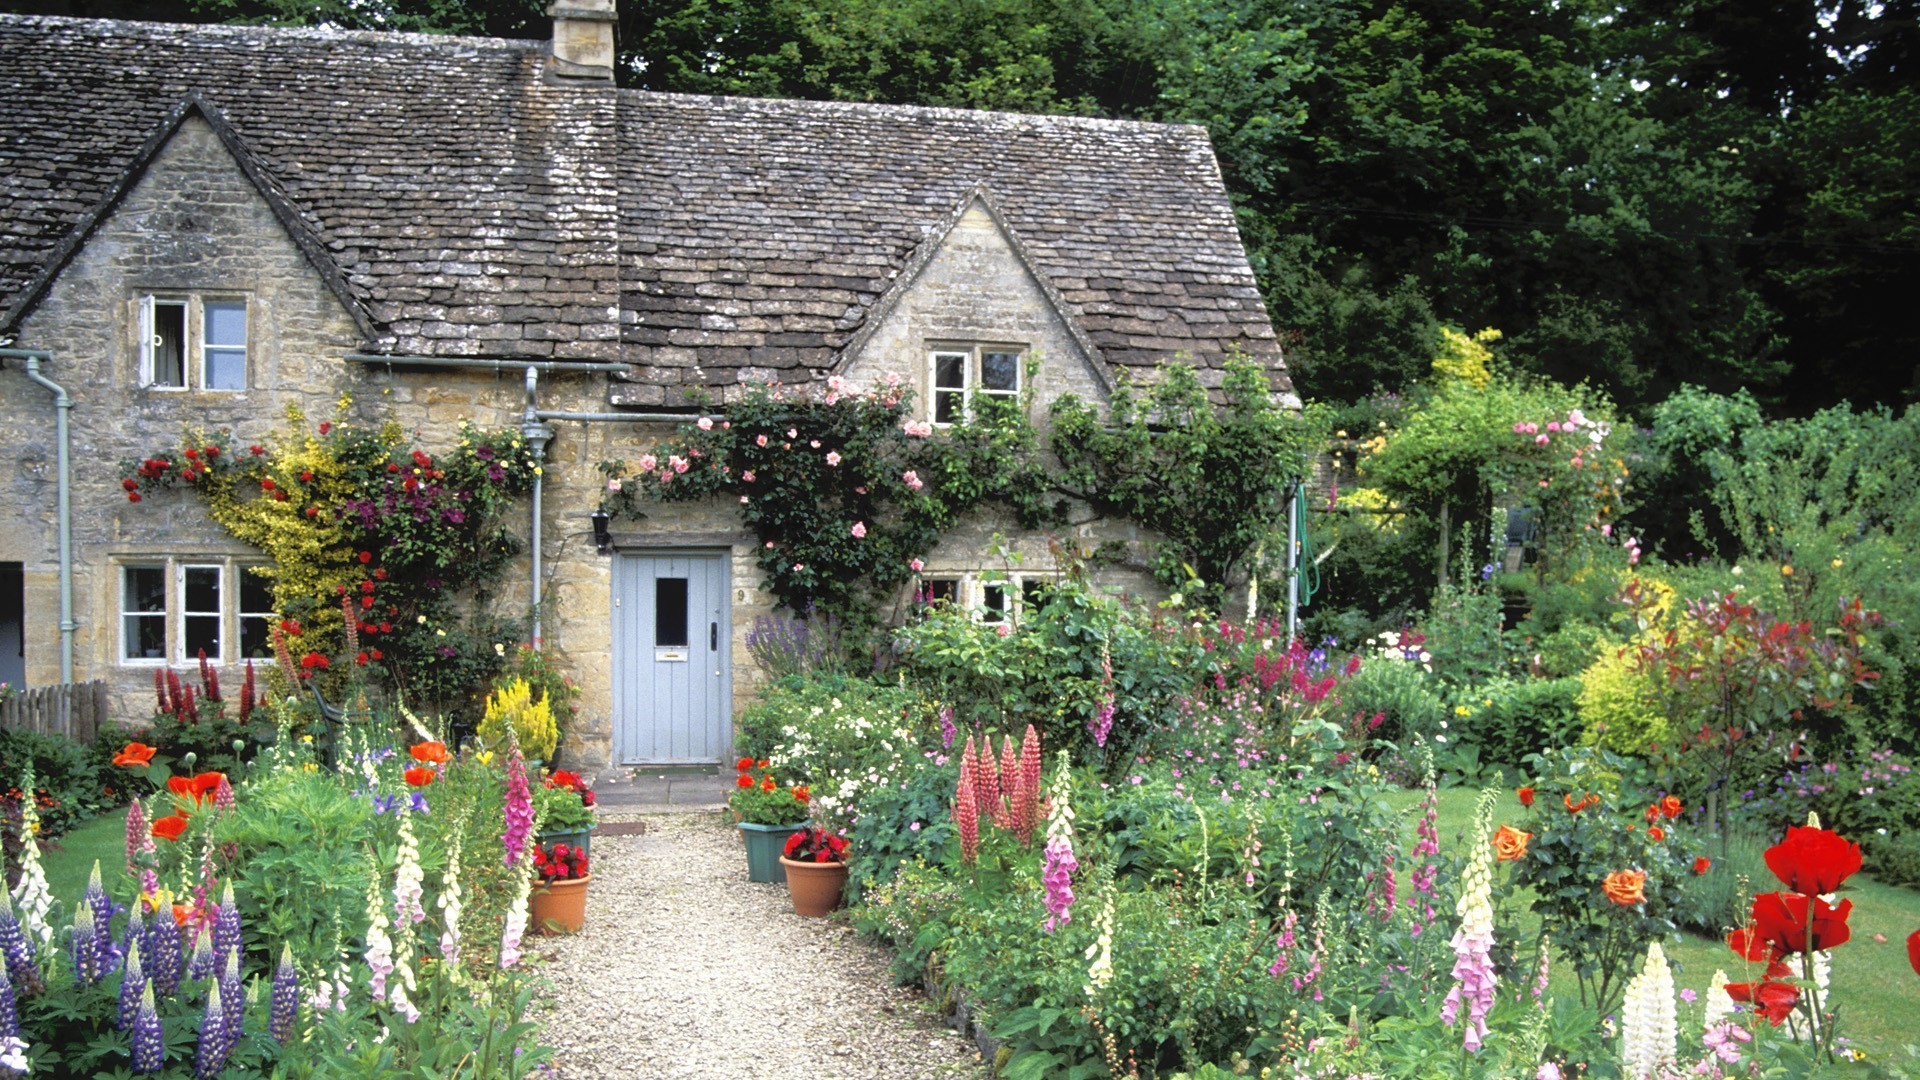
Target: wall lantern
(602, 539)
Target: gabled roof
(465, 207)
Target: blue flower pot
(765, 844)
(579, 838)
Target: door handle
(713, 637)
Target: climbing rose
(859, 530)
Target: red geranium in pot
(816, 865)
(559, 902)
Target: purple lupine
(149, 1042)
(162, 953)
(107, 951)
(23, 969)
(83, 949)
(210, 1056)
(284, 1004)
(9, 1009)
(132, 982)
(234, 995)
(200, 964)
(226, 923)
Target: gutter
(490, 364)
(62, 405)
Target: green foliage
(71, 781)
(1210, 480)
(560, 809)
(902, 824)
(1512, 719)
(1409, 698)
(1620, 705)
(793, 706)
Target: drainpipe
(537, 433)
(62, 405)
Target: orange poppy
(431, 753)
(181, 914)
(180, 785)
(1510, 843)
(420, 776)
(206, 784)
(1625, 887)
(134, 755)
(169, 827)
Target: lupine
(83, 948)
(285, 1003)
(1057, 874)
(519, 809)
(32, 894)
(449, 904)
(1473, 973)
(139, 844)
(149, 1042)
(966, 814)
(1719, 1004)
(11, 1044)
(226, 923)
(23, 967)
(1649, 1029)
(132, 981)
(231, 993)
(1100, 953)
(223, 795)
(1005, 804)
(210, 1056)
(1026, 805)
(200, 962)
(986, 781)
(162, 953)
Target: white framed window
(143, 613)
(958, 374)
(173, 608)
(990, 596)
(192, 342)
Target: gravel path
(687, 970)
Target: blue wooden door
(672, 675)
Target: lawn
(69, 858)
(1874, 989)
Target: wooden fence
(76, 710)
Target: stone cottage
(203, 224)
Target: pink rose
(759, 440)
(833, 456)
(648, 463)
(1004, 629)
(1541, 440)
(913, 480)
(747, 476)
(705, 423)
(859, 530)
(917, 566)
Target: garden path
(687, 970)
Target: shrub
(1895, 860)
(513, 706)
(536, 667)
(797, 703)
(1407, 696)
(1509, 719)
(71, 781)
(1620, 705)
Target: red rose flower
(1670, 807)
(360, 659)
(743, 764)
(133, 496)
(325, 426)
(1700, 864)
(1813, 861)
(1526, 795)
(1656, 832)
(129, 484)
(378, 655)
(366, 557)
(745, 781)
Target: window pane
(226, 324)
(200, 590)
(200, 633)
(1000, 371)
(941, 589)
(256, 615)
(670, 612)
(146, 637)
(1034, 593)
(226, 369)
(143, 602)
(254, 642)
(167, 348)
(993, 602)
(144, 589)
(256, 593)
(950, 370)
(948, 406)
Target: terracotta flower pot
(559, 907)
(816, 888)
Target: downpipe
(62, 406)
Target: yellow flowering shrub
(513, 706)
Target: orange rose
(1576, 807)
(169, 827)
(1510, 843)
(1625, 887)
(420, 776)
(134, 755)
(429, 753)
(1526, 795)
(1656, 832)
(1670, 807)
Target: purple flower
(447, 652)
(131, 984)
(226, 924)
(22, 967)
(484, 453)
(1057, 876)
(947, 730)
(9, 1009)
(211, 1055)
(84, 949)
(149, 1042)
(496, 473)
(107, 952)
(285, 1000)
(200, 964)
(161, 955)
(519, 810)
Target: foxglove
(1473, 943)
(32, 894)
(519, 810)
(449, 904)
(149, 1042)
(1649, 1029)
(1100, 953)
(379, 945)
(516, 925)
(285, 1002)
(1057, 873)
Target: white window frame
(972, 376)
(178, 602)
(164, 615)
(241, 572)
(194, 345)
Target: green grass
(1874, 989)
(68, 860)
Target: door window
(670, 612)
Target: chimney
(582, 41)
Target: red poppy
(1913, 951)
(420, 776)
(1670, 807)
(1773, 1000)
(206, 784)
(1750, 946)
(1813, 860)
(134, 755)
(1700, 864)
(180, 785)
(1781, 919)
(169, 827)
(743, 764)
(1526, 795)
(431, 753)
(745, 781)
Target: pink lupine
(1003, 814)
(966, 813)
(986, 782)
(1026, 805)
(140, 850)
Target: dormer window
(961, 373)
(193, 342)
